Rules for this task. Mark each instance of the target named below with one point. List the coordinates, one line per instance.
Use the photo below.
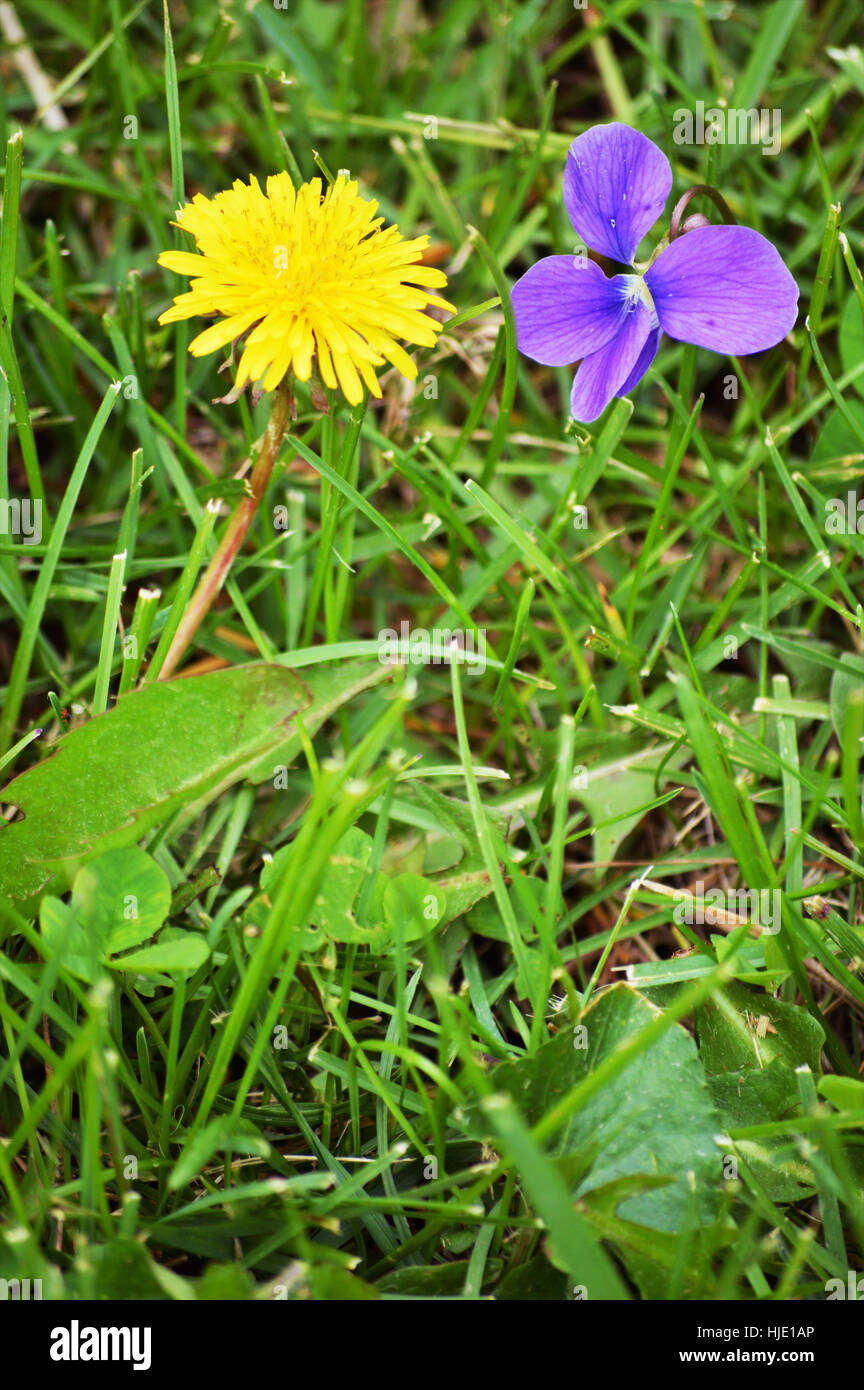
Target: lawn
(431, 831)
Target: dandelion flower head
(313, 275)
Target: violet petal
(723, 288)
(564, 313)
(616, 183)
(602, 374)
(643, 362)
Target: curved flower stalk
(724, 288)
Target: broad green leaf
(413, 904)
(760, 1098)
(534, 1281)
(464, 880)
(844, 1092)
(340, 887)
(124, 1269)
(734, 1034)
(614, 779)
(609, 792)
(655, 1119)
(175, 950)
(225, 1283)
(533, 974)
(653, 1257)
(325, 1283)
(103, 919)
(328, 687)
(63, 933)
(750, 1045)
(428, 1281)
(333, 910)
(408, 900)
(571, 1244)
(24, 1256)
(485, 920)
(107, 783)
(462, 888)
(836, 438)
(121, 899)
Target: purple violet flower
(725, 288)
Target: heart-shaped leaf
(118, 901)
(121, 899)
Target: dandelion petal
(601, 375)
(616, 183)
(564, 313)
(723, 288)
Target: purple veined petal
(616, 182)
(643, 362)
(723, 288)
(564, 312)
(601, 375)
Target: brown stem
(680, 207)
(235, 532)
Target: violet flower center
(637, 289)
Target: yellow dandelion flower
(311, 275)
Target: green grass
(408, 1013)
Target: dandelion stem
(235, 533)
